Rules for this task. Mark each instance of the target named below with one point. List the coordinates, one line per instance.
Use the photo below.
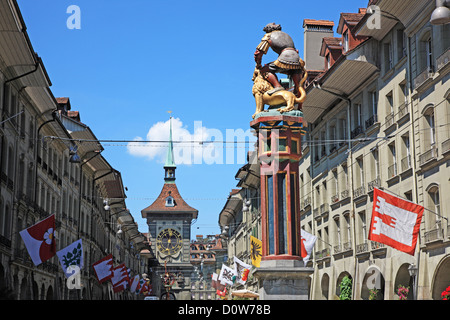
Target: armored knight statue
(288, 62)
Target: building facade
(378, 117)
(378, 114)
(44, 172)
(207, 256)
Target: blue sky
(132, 61)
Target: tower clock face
(169, 241)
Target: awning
(392, 12)
(228, 214)
(349, 72)
(244, 293)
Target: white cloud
(187, 147)
(187, 150)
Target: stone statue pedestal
(283, 280)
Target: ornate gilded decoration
(169, 241)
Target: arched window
(434, 203)
(426, 61)
(433, 219)
(429, 134)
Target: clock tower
(169, 220)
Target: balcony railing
(358, 192)
(406, 163)
(422, 77)
(376, 245)
(357, 131)
(337, 248)
(316, 213)
(362, 247)
(446, 146)
(324, 208)
(371, 121)
(403, 110)
(345, 194)
(392, 170)
(389, 120)
(306, 201)
(334, 198)
(434, 234)
(443, 59)
(428, 155)
(347, 246)
(373, 184)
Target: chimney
(314, 32)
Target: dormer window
(346, 45)
(170, 202)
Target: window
(282, 145)
(373, 102)
(408, 195)
(335, 185)
(406, 153)
(402, 94)
(360, 171)
(337, 224)
(343, 130)
(358, 115)
(389, 103)
(425, 52)
(388, 59)
(346, 45)
(392, 169)
(389, 120)
(432, 129)
(362, 226)
(429, 54)
(435, 204)
(294, 146)
(401, 43)
(328, 61)
(169, 202)
(348, 233)
(433, 221)
(376, 164)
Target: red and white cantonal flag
(307, 244)
(40, 241)
(395, 222)
(120, 279)
(104, 268)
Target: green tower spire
(170, 166)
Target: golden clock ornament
(169, 242)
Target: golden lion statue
(282, 97)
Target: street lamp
(441, 15)
(412, 269)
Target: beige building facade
(379, 117)
(39, 177)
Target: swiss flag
(104, 268)
(395, 222)
(39, 240)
